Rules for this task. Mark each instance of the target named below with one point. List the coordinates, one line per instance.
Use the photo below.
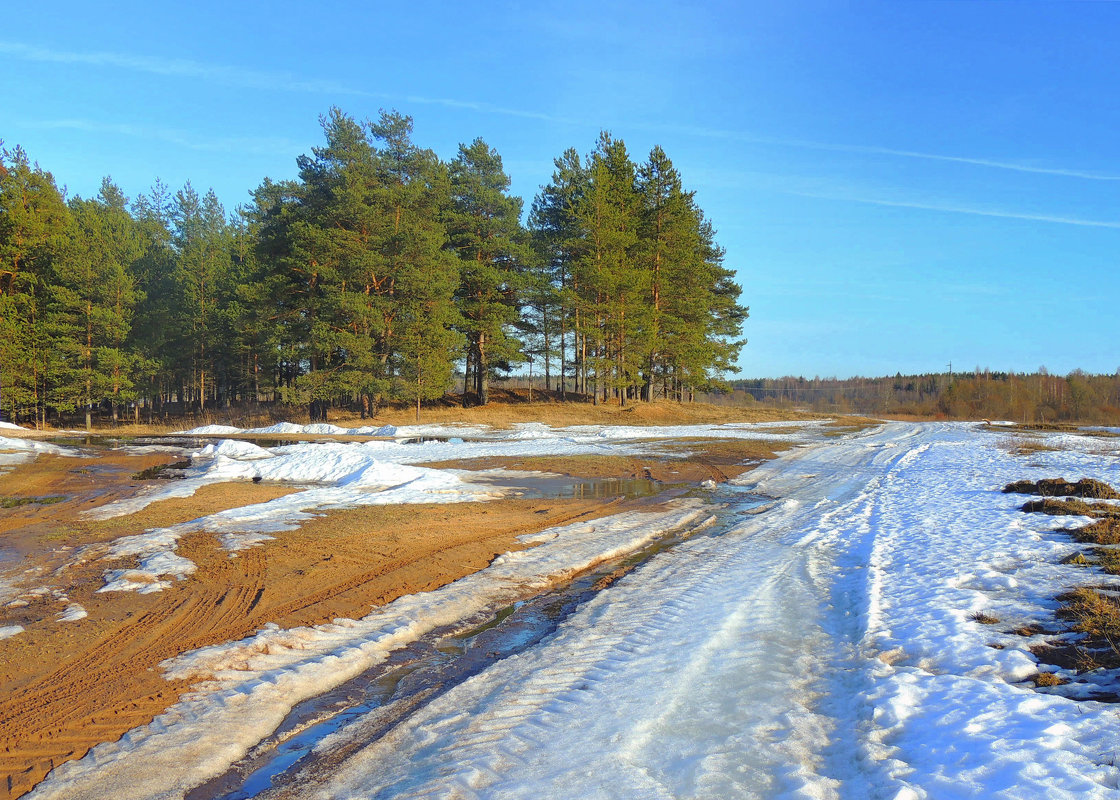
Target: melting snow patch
(252, 684)
(73, 613)
(207, 430)
(7, 631)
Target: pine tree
(418, 273)
(153, 274)
(608, 284)
(486, 233)
(557, 241)
(94, 299)
(34, 239)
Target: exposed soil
(1060, 487)
(686, 461)
(1071, 508)
(506, 408)
(1102, 531)
(66, 686)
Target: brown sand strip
(68, 686)
(685, 461)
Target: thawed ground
(823, 648)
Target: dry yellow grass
(496, 414)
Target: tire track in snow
(696, 675)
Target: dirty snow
(73, 613)
(252, 684)
(822, 649)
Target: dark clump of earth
(162, 471)
(1059, 487)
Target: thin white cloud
(279, 81)
(717, 133)
(238, 144)
(178, 67)
(958, 209)
(246, 78)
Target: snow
(19, 451)
(73, 613)
(369, 464)
(210, 430)
(8, 631)
(350, 476)
(822, 649)
(11, 427)
(34, 446)
(316, 429)
(253, 683)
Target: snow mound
(73, 613)
(210, 429)
(252, 684)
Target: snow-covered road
(822, 649)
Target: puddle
(375, 701)
(538, 486)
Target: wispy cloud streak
(803, 144)
(285, 82)
(957, 209)
(247, 78)
(238, 144)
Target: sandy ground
(66, 686)
(684, 461)
(497, 414)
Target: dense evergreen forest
(382, 274)
(1037, 397)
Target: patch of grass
(1109, 560)
(1103, 531)
(1071, 508)
(983, 619)
(1095, 614)
(1077, 560)
(1060, 487)
(1048, 679)
(16, 502)
(162, 471)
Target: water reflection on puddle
(374, 702)
(536, 486)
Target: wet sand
(66, 686)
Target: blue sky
(897, 184)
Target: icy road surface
(822, 649)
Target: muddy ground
(68, 685)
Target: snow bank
(251, 685)
(36, 446)
(12, 427)
(822, 649)
(349, 475)
(18, 451)
(73, 613)
(315, 429)
(208, 430)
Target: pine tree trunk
(483, 372)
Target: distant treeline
(376, 276)
(1030, 398)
